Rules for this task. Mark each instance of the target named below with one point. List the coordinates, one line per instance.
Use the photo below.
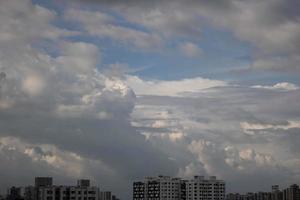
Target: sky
(115, 91)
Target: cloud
(213, 140)
(288, 63)
(60, 116)
(79, 57)
(190, 49)
(27, 21)
(271, 27)
(63, 117)
(253, 128)
(33, 84)
(171, 88)
(279, 86)
(105, 26)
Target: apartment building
(200, 188)
(82, 191)
(169, 188)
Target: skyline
(151, 182)
(114, 91)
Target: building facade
(79, 192)
(291, 193)
(44, 189)
(168, 188)
(200, 188)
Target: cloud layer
(63, 114)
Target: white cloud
(27, 21)
(212, 126)
(279, 86)
(190, 49)
(164, 20)
(103, 25)
(33, 84)
(248, 21)
(79, 57)
(253, 128)
(227, 161)
(67, 163)
(171, 88)
(59, 115)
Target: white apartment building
(200, 188)
(83, 191)
(168, 188)
(157, 188)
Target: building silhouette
(290, 193)
(44, 189)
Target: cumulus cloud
(59, 113)
(60, 116)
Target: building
(30, 193)
(139, 190)
(168, 188)
(276, 193)
(105, 195)
(43, 181)
(113, 197)
(156, 188)
(15, 193)
(233, 196)
(291, 193)
(83, 183)
(68, 193)
(200, 188)
(44, 190)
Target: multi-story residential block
(291, 193)
(44, 189)
(167, 188)
(200, 188)
(276, 193)
(43, 181)
(139, 190)
(82, 191)
(156, 188)
(15, 193)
